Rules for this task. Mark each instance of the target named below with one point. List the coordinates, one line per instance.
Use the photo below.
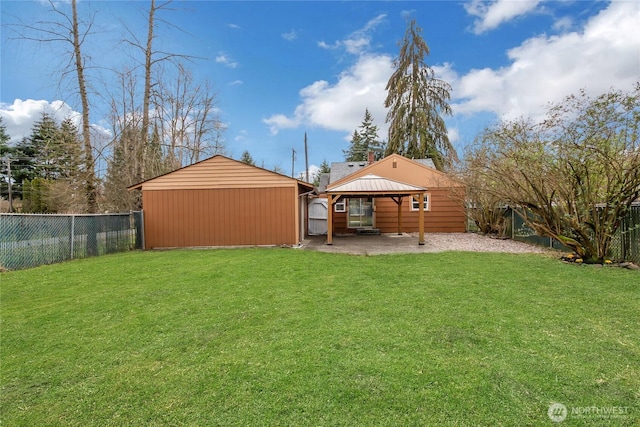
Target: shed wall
(220, 217)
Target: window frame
(340, 206)
(415, 207)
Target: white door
(317, 217)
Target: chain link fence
(625, 245)
(29, 240)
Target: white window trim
(340, 206)
(415, 207)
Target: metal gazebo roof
(375, 185)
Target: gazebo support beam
(330, 202)
(399, 202)
(421, 219)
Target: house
(223, 202)
(385, 196)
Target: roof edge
(140, 184)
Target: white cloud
(290, 36)
(491, 14)
(313, 171)
(341, 106)
(358, 42)
(224, 59)
(453, 134)
(280, 121)
(20, 116)
(545, 69)
(563, 24)
(236, 83)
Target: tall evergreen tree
(65, 191)
(416, 101)
(45, 143)
(70, 152)
(369, 135)
(246, 158)
(364, 140)
(356, 151)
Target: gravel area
(439, 242)
(408, 243)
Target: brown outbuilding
(223, 202)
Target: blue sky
(281, 69)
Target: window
(340, 206)
(415, 206)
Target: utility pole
(10, 193)
(8, 160)
(293, 161)
(306, 159)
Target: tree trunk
(90, 184)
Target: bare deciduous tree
(573, 176)
(186, 115)
(66, 30)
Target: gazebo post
(399, 202)
(421, 219)
(330, 201)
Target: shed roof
(220, 172)
(374, 184)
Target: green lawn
(290, 337)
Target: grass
(286, 337)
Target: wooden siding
(220, 217)
(218, 172)
(406, 170)
(446, 215)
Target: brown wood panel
(220, 217)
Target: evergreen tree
(69, 152)
(4, 138)
(23, 166)
(45, 143)
(369, 136)
(5, 153)
(357, 150)
(324, 168)
(364, 140)
(156, 164)
(35, 196)
(65, 193)
(121, 172)
(416, 101)
(246, 158)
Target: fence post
(73, 233)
